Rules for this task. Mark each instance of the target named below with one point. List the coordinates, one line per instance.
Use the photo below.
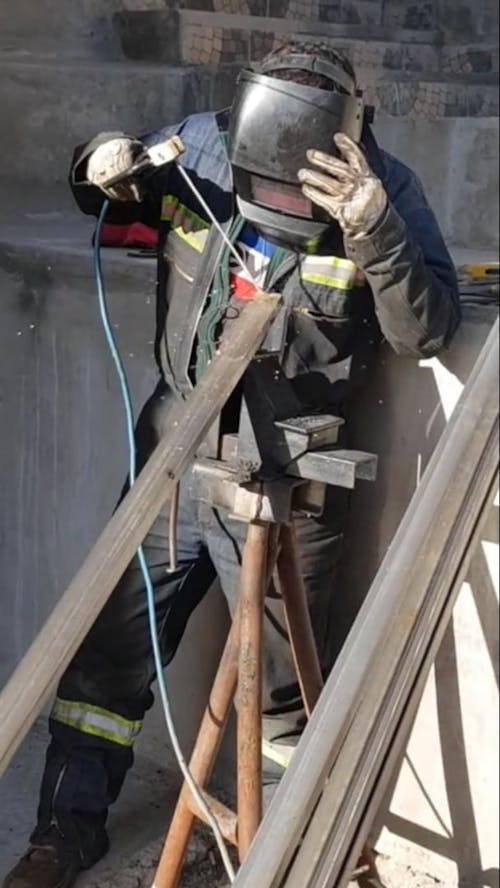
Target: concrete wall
(457, 162)
(63, 445)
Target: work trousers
(106, 691)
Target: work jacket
(397, 283)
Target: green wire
(219, 297)
(217, 301)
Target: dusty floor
(203, 870)
(137, 827)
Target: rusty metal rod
(298, 620)
(303, 643)
(227, 819)
(202, 761)
(249, 699)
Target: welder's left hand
(347, 189)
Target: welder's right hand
(111, 159)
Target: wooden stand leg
(251, 604)
(202, 761)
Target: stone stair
(404, 72)
(67, 72)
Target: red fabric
(134, 235)
(241, 288)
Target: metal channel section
(319, 815)
(402, 729)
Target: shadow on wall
(439, 814)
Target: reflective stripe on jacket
(398, 283)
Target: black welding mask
(273, 123)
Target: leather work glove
(112, 158)
(347, 189)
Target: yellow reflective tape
(96, 722)
(172, 210)
(331, 261)
(191, 229)
(196, 240)
(327, 281)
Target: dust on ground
(203, 869)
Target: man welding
(322, 215)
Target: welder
(343, 231)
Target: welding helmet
(273, 123)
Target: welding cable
(215, 222)
(129, 417)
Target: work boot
(43, 867)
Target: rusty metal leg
(202, 761)
(306, 659)
(249, 735)
(299, 626)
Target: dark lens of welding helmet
(273, 124)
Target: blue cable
(153, 624)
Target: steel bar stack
(324, 808)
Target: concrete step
(432, 98)
(194, 36)
(137, 98)
(464, 21)
(71, 28)
(457, 162)
(53, 105)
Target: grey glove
(350, 191)
(112, 158)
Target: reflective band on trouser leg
(96, 721)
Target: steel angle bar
(354, 776)
(26, 692)
(383, 624)
(402, 730)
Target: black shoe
(43, 867)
